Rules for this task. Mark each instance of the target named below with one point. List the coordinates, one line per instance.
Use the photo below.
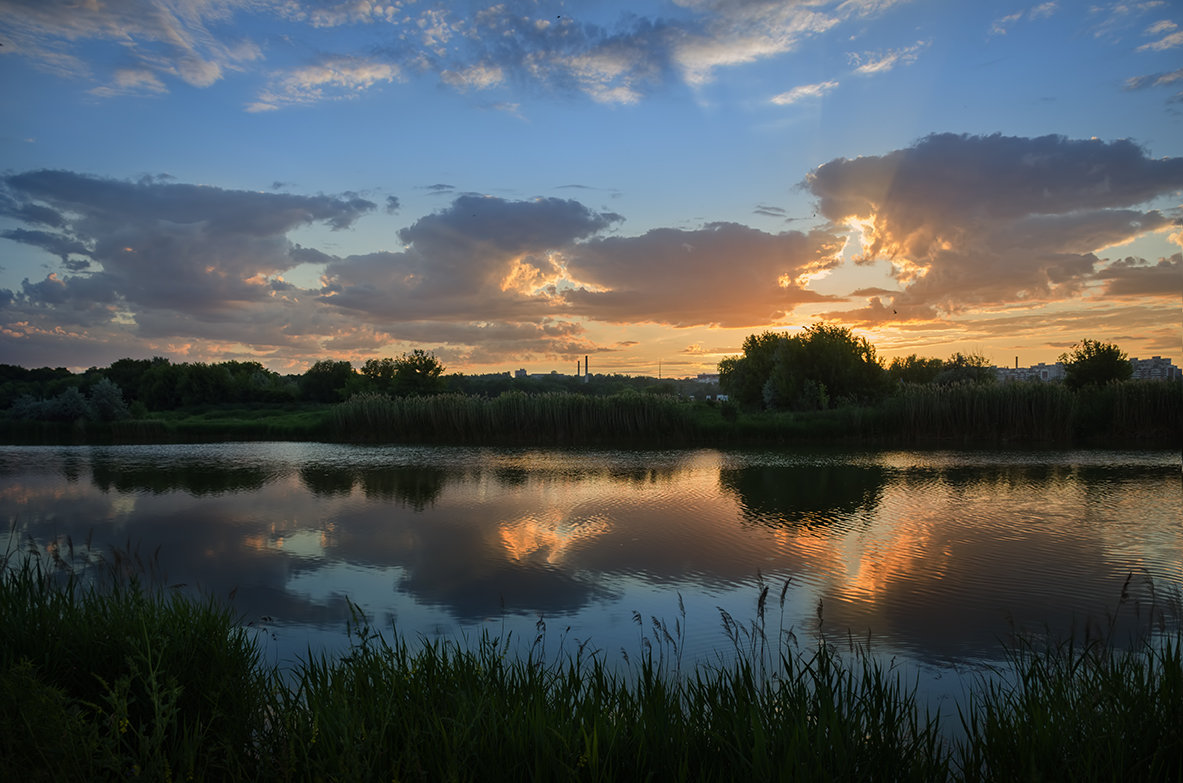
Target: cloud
(156, 244)
(185, 41)
(476, 48)
(1002, 25)
(1136, 277)
(1154, 80)
(725, 274)
(802, 92)
(482, 258)
(880, 62)
(477, 77)
(969, 221)
(334, 78)
(132, 81)
(494, 261)
(59, 245)
(1171, 37)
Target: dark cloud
(392, 204)
(1137, 277)
(483, 258)
(986, 220)
(59, 245)
(183, 247)
(724, 273)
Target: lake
(933, 558)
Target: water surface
(933, 558)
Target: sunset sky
(520, 184)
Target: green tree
(106, 401)
(914, 369)
(326, 381)
(380, 374)
(966, 368)
(742, 378)
(1093, 362)
(418, 372)
(808, 371)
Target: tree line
(132, 388)
(828, 366)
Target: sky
(523, 184)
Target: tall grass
(1078, 711)
(107, 678)
(1129, 412)
(1136, 413)
(555, 418)
(110, 679)
(990, 412)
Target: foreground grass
(113, 680)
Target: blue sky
(521, 184)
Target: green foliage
(106, 401)
(1095, 363)
(108, 680)
(743, 377)
(1073, 711)
(418, 372)
(823, 365)
(514, 418)
(914, 369)
(966, 368)
(326, 381)
(146, 683)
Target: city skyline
(522, 184)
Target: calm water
(933, 557)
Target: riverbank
(1129, 414)
(122, 680)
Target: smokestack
(1016, 362)
(586, 372)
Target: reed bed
(1048, 413)
(106, 678)
(1137, 413)
(554, 418)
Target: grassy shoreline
(1128, 414)
(116, 680)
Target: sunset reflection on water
(935, 556)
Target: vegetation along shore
(822, 385)
(112, 678)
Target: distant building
(708, 377)
(520, 373)
(1155, 368)
(1036, 372)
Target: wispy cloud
(803, 92)
(881, 62)
(185, 41)
(1002, 25)
(336, 78)
(1154, 80)
(1171, 37)
(479, 48)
